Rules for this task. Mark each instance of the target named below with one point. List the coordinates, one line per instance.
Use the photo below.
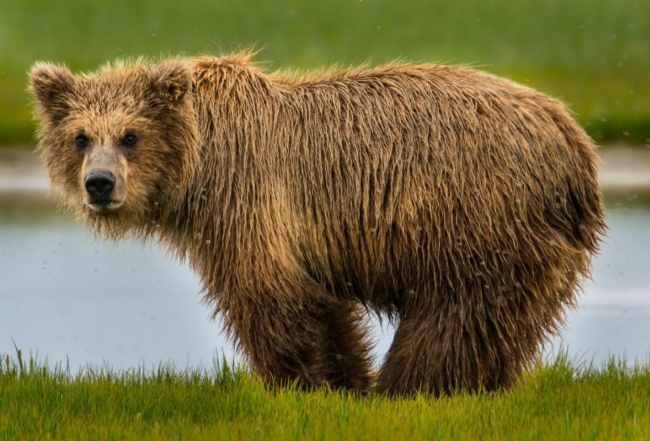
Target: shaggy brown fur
(464, 206)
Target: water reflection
(68, 297)
(614, 313)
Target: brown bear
(461, 205)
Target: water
(69, 298)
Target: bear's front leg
(299, 331)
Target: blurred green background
(593, 54)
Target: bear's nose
(99, 184)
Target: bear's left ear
(50, 85)
(173, 79)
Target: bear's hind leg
(448, 349)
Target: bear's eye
(130, 139)
(81, 140)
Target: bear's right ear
(49, 84)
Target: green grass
(591, 53)
(558, 400)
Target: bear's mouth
(104, 206)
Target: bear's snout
(99, 184)
(103, 178)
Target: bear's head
(120, 144)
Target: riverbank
(624, 168)
(558, 400)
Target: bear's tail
(584, 200)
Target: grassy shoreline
(591, 54)
(559, 399)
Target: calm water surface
(69, 298)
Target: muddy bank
(623, 168)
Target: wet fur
(464, 206)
